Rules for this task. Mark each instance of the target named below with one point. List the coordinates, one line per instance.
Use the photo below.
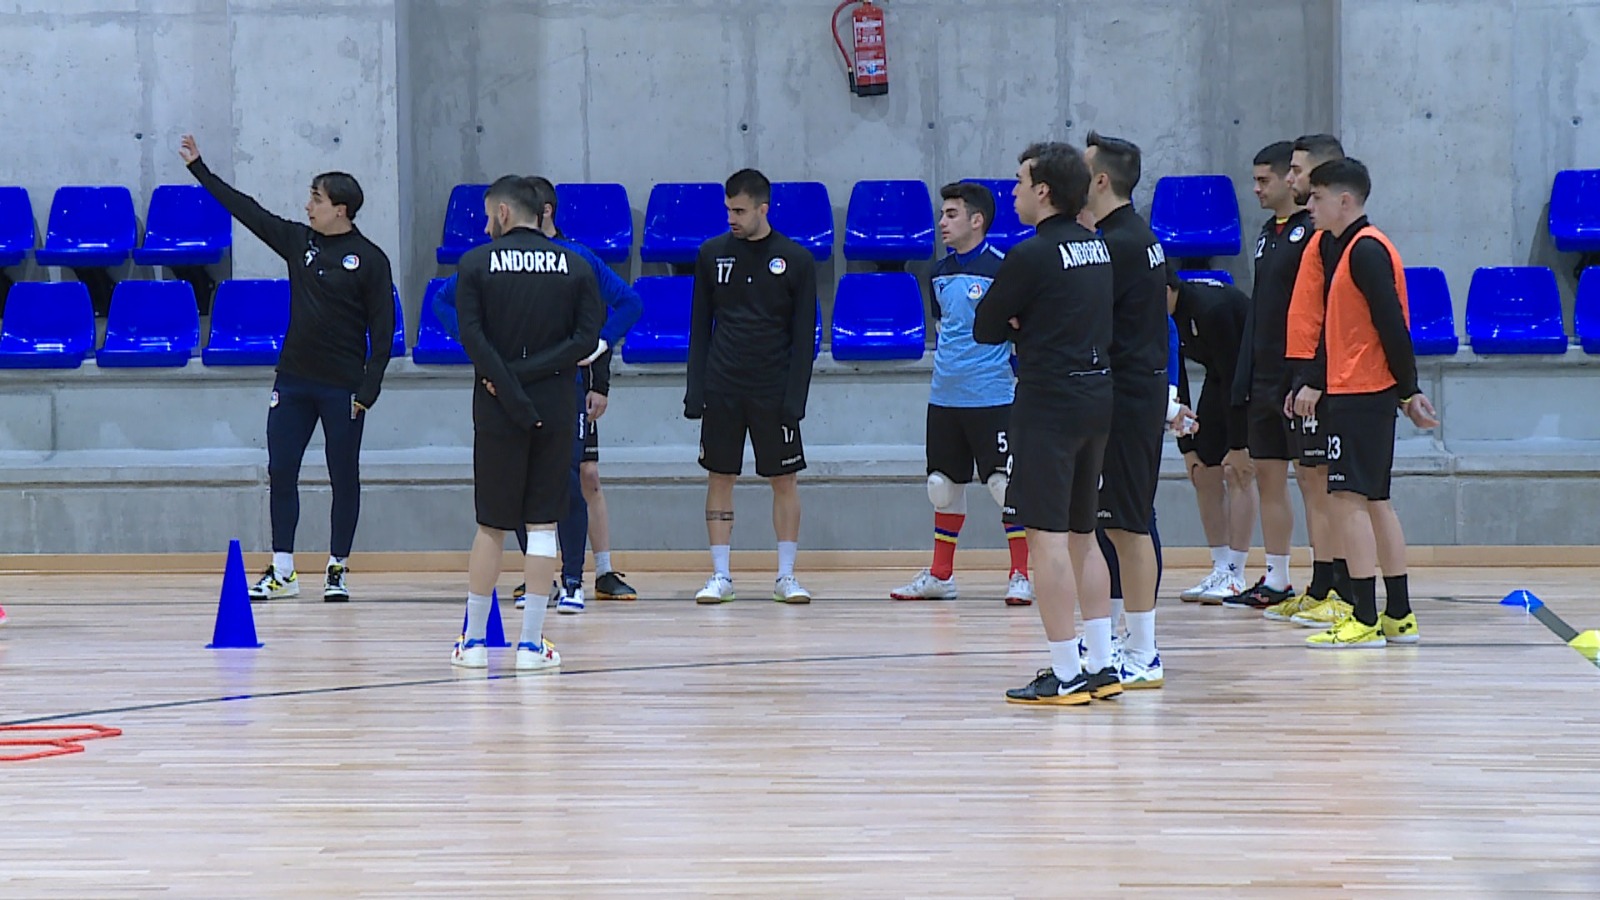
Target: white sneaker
(1192, 595)
(470, 654)
(570, 602)
(334, 588)
(1139, 676)
(538, 658)
(718, 589)
(273, 586)
(926, 587)
(1117, 653)
(787, 589)
(1020, 591)
(1227, 585)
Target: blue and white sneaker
(570, 603)
(470, 653)
(1116, 652)
(541, 657)
(1137, 675)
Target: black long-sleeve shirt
(1139, 315)
(1373, 273)
(340, 293)
(1057, 284)
(753, 326)
(530, 311)
(1211, 317)
(1263, 357)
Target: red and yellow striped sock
(946, 529)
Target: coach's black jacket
(530, 311)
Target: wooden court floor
(852, 748)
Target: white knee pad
(947, 496)
(998, 482)
(543, 543)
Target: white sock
(786, 555)
(1064, 660)
(283, 563)
(533, 622)
(1097, 643)
(1278, 572)
(1142, 635)
(477, 615)
(1117, 609)
(1236, 561)
(719, 559)
(1219, 558)
(602, 562)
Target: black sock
(1397, 596)
(1365, 600)
(1341, 580)
(1321, 579)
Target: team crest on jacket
(1297, 235)
(975, 291)
(352, 262)
(777, 266)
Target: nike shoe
(787, 589)
(1326, 614)
(1020, 591)
(1048, 690)
(540, 657)
(1395, 631)
(926, 587)
(1259, 597)
(610, 586)
(334, 590)
(470, 654)
(718, 589)
(274, 586)
(1349, 634)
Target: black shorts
(1270, 434)
(775, 439)
(521, 477)
(1360, 430)
(961, 439)
(1311, 436)
(1055, 468)
(1223, 426)
(1133, 457)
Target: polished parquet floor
(853, 748)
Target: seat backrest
(1196, 216)
(889, 221)
(1433, 315)
(464, 221)
(878, 315)
(662, 333)
(251, 311)
(92, 217)
(597, 216)
(1006, 231)
(48, 317)
(187, 216)
(1586, 310)
(397, 347)
(679, 217)
(16, 224)
(1515, 309)
(803, 212)
(162, 311)
(1575, 210)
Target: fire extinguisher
(869, 73)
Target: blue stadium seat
(16, 226)
(597, 216)
(1433, 317)
(679, 218)
(1206, 275)
(1515, 309)
(464, 222)
(152, 323)
(803, 211)
(48, 325)
(1586, 311)
(397, 348)
(662, 333)
(248, 321)
(1007, 230)
(878, 316)
(1575, 210)
(90, 227)
(185, 226)
(1196, 216)
(435, 346)
(889, 221)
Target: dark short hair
(1346, 174)
(978, 199)
(341, 189)
(1320, 146)
(1119, 159)
(1277, 156)
(750, 183)
(547, 194)
(518, 193)
(1060, 167)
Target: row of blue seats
(1195, 216)
(96, 227)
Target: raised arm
(286, 238)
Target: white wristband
(1172, 402)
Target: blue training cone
(236, 625)
(1522, 599)
(495, 635)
